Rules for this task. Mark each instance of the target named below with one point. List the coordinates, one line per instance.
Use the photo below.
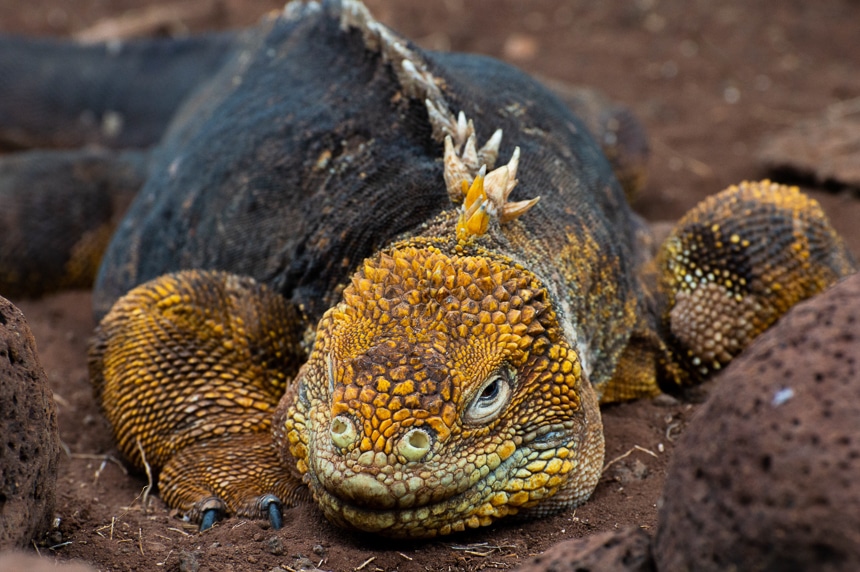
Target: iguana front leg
(189, 369)
(736, 263)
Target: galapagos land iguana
(401, 282)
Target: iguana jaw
(410, 350)
(483, 502)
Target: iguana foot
(214, 509)
(236, 475)
(189, 369)
(269, 506)
(736, 263)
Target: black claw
(276, 518)
(270, 505)
(210, 517)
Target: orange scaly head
(441, 394)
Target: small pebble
(275, 545)
(665, 400)
(188, 562)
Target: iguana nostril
(414, 445)
(343, 433)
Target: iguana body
(356, 309)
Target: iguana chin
(446, 369)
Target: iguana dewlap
(335, 289)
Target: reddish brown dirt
(708, 79)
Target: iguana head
(442, 394)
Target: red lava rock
(626, 550)
(765, 476)
(30, 446)
(826, 149)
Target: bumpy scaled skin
(736, 263)
(458, 333)
(189, 372)
(441, 394)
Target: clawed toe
(270, 505)
(211, 510)
(210, 517)
(267, 507)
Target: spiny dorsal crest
(465, 169)
(482, 195)
(487, 196)
(412, 72)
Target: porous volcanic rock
(30, 446)
(625, 550)
(765, 476)
(825, 149)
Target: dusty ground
(708, 78)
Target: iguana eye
(492, 398)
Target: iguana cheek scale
(456, 375)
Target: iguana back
(305, 155)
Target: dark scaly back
(304, 156)
(296, 162)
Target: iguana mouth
(480, 504)
(527, 476)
